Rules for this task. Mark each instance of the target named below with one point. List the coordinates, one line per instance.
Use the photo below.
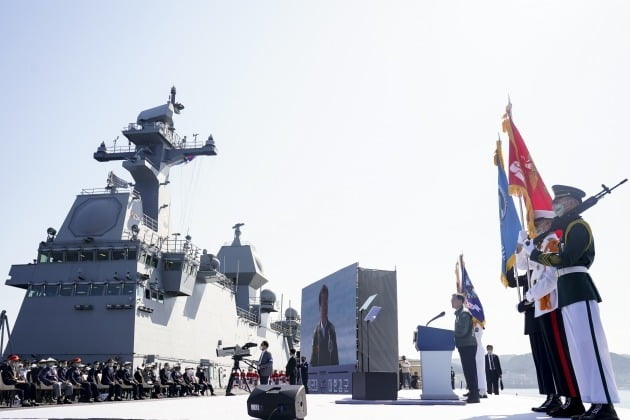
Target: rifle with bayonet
(561, 222)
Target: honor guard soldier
(543, 294)
(578, 300)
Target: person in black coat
(108, 377)
(204, 383)
(303, 366)
(291, 368)
(493, 371)
(75, 376)
(10, 377)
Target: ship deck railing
(176, 141)
(251, 317)
(225, 283)
(286, 329)
(110, 190)
(180, 246)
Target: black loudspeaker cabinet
(374, 386)
(277, 402)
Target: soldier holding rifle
(578, 299)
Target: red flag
(524, 179)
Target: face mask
(558, 209)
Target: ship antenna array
(4, 324)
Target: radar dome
(291, 314)
(267, 297)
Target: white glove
(529, 297)
(528, 246)
(522, 237)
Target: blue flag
(472, 300)
(508, 218)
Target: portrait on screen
(329, 319)
(324, 351)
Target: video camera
(235, 351)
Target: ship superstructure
(114, 281)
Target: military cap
(544, 214)
(76, 360)
(127, 363)
(567, 191)
(14, 358)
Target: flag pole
(508, 111)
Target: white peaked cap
(544, 214)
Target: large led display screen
(329, 331)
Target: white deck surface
(320, 407)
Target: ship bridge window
(51, 290)
(86, 255)
(113, 289)
(102, 255)
(35, 290)
(56, 256)
(154, 261)
(72, 256)
(172, 265)
(82, 289)
(132, 254)
(154, 294)
(43, 257)
(129, 289)
(66, 289)
(147, 294)
(118, 254)
(97, 289)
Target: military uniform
(466, 344)
(578, 300)
(544, 295)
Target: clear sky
(354, 131)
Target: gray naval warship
(114, 282)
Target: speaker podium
(436, 347)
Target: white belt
(574, 269)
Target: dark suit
(304, 375)
(291, 370)
(265, 367)
(75, 377)
(324, 345)
(108, 377)
(9, 377)
(493, 373)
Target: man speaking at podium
(466, 344)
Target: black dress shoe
(543, 407)
(598, 412)
(472, 400)
(571, 407)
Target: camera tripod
(236, 370)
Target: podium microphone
(440, 315)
